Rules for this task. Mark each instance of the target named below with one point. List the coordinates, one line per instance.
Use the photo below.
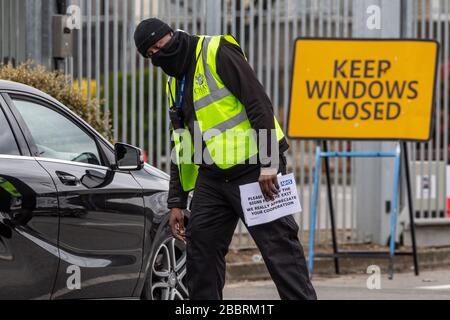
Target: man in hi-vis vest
(224, 135)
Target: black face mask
(175, 56)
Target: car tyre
(167, 271)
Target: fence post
(213, 17)
(373, 177)
(38, 30)
(34, 29)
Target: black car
(79, 217)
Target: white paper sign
(426, 187)
(448, 190)
(257, 210)
(448, 181)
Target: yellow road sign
(375, 89)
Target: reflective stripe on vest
(221, 117)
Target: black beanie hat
(148, 32)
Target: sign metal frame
(400, 156)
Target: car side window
(8, 144)
(56, 136)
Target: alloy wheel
(168, 271)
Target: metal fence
(106, 64)
(430, 20)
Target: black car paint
(106, 230)
(29, 232)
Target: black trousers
(215, 211)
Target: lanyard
(180, 95)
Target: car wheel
(167, 271)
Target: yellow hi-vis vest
(221, 118)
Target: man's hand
(176, 223)
(269, 185)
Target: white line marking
(440, 287)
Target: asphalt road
(429, 285)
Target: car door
(28, 218)
(101, 210)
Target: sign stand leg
(330, 206)
(410, 207)
(390, 254)
(394, 212)
(312, 223)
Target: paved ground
(434, 285)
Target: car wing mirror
(128, 157)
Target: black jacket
(241, 80)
